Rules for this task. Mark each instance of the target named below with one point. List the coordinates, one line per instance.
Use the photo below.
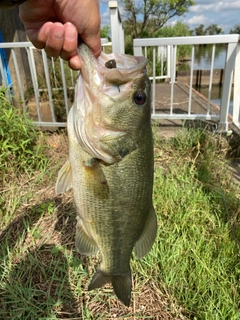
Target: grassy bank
(192, 272)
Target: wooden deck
(180, 106)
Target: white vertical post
(191, 81)
(227, 86)
(173, 75)
(168, 61)
(49, 89)
(34, 79)
(236, 94)
(19, 80)
(154, 81)
(211, 78)
(64, 85)
(117, 32)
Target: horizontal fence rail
(162, 55)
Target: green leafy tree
(213, 29)
(180, 29)
(142, 18)
(105, 32)
(236, 29)
(200, 30)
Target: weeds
(192, 271)
(18, 141)
(22, 154)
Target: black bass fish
(110, 166)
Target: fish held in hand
(110, 166)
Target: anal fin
(84, 244)
(147, 238)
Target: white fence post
(236, 93)
(117, 32)
(227, 86)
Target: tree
(180, 29)
(105, 32)
(210, 30)
(236, 29)
(200, 30)
(144, 17)
(213, 29)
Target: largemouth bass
(110, 166)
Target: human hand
(55, 25)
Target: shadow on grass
(35, 277)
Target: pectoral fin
(95, 180)
(64, 180)
(84, 244)
(147, 238)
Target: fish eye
(139, 97)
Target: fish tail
(122, 284)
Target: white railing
(46, 90)
(49, 88)
(169, 57)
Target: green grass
(192, 271)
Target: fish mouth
(112, 69)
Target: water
(202, 61)
(203, 58)
(216, 94)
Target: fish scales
(110, 166)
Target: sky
(225, 14)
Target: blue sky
(226, 14)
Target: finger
(55, 40)
(75, 63)
(38, 35)
(70, 41)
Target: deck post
(236, 93)
(227, 86)
(117, 32)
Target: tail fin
(122, 285)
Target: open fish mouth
(114, 69)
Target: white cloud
(215, 6)
(196, 20)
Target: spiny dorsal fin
(64, 180)
(147, 238)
